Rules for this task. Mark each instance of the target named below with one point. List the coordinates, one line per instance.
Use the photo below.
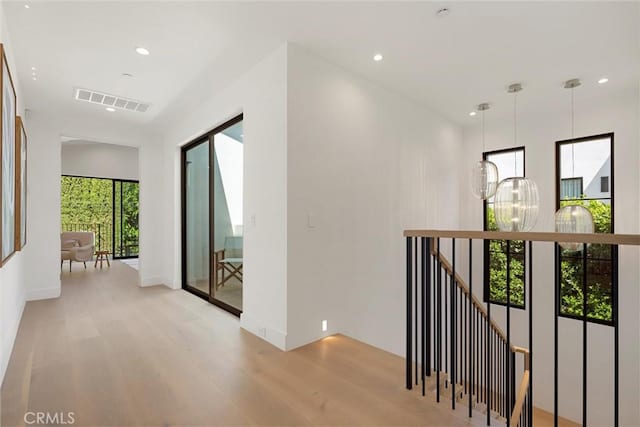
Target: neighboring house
(598, 188)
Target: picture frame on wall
(21, 185)
(7, 161)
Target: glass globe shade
(516, 204)
(484, 179)
(573, 219)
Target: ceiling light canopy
(377, 57)
(142, 51)
(603, 80)
(441, 13)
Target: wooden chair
(228, 261)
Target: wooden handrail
(598, 238)
(479, 306)
(522, 394)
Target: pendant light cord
(573, 144)
(515, 131)
(483, 146)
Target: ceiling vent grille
(106, 100)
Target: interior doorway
(212, 216)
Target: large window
(590, 161)
(497, 253)
(107, 207)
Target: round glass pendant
(484, 179)
(573, 219)
(516, 204)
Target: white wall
(363, 165)
(538, 133)
(99, 160)
(260, 94)
(12, 274)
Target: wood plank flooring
(119, 355)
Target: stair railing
(450, 332)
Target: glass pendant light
(516, 202)
(484, 176)
(573, 218)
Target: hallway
(116, 354)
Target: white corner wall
(260, 94)
(12, 275)
(619, 113)
(363, 164)
(100, 160)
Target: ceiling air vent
(107, 100)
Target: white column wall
(364, 164)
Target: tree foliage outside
(599, 269)
(498, 267)
(87, 205)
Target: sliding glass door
(107, 207)
(125, 218)
(196, 269)
(212, 216)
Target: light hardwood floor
(119, 355)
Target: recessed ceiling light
(33, 68)
(377, 57)
(441, 13)
(34, 78)
(473, 113)
(127, 75)
(110, 109)
(142, 51)
(26, 6)
(603, 80)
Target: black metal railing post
(409, 331)
(584, 334)
(453, 325)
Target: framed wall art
(21, 185)
(7, 161)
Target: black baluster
(510, 407)
(487, 361)
(427, 277)
(409, 319)
(439, 321)
(585, 313)
(530, 289)
(415, 304)
(452, 293)
(616, 338)
(471, 330)
(555, 332)
(423, 289)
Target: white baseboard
(151, 281)
(272, 336)
(43, 293)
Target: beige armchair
(76, 246)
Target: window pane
(587, 162)
(510, 164)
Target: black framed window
(591, 160)
(510, 163)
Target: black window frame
(487, 243)
(614, 253)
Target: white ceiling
(450, 64)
